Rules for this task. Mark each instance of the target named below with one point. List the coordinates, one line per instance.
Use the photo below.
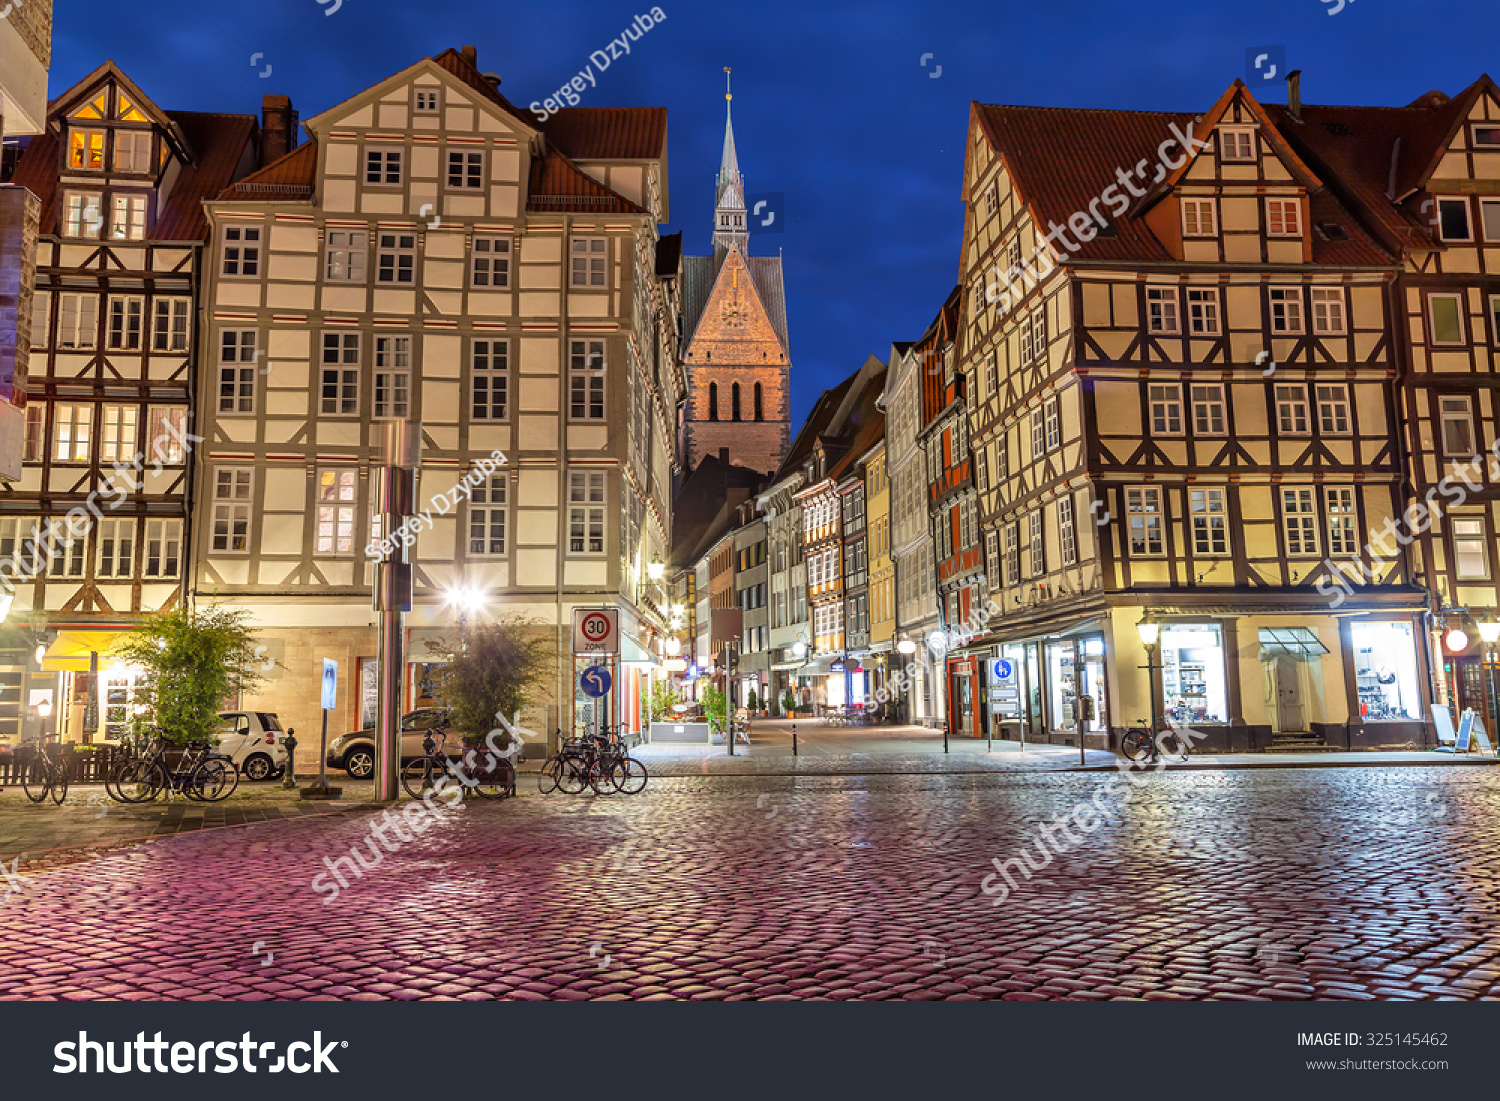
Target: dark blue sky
(832, 106)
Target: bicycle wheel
(137, 781)
(421, 775)
(496, 778)
(630, 776)
(574, 775)
(212, 780)
(546, 780)
(599, 776)
(35, 781)
(1135, 746)
(59, 783)
(1172, 746)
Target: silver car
(254, 739)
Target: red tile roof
(559, 186)
(609, 133)
(290, 177)
(454, 62)
(218, 144)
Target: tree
(788, 701)
(193, 662)
(504, 666)
(661, 700)
(712, 698)
(754, 701)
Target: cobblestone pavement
(1321, 883)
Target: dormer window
(133, 151)
(85, 149)
(1199, 218)
(1237, 145)
(128, 112)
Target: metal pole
(1151, 668)
(323, 756)
(392, 599)
(1494, 704)
(728, 701)
(1078, 699)
(948, 711)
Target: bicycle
(495, 778)
(44, 775)
(592, 761)
(200, 774)
(1139, 745)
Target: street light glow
(906, 646)
(1149, 631)
(674, 646)
(469, 599)
(656, 569)
(938, 641)
(799, 648)
(1456, 640)
(1489, 631)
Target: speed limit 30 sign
(596, 630)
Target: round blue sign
(1003, 669)
(595, 681)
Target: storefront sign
(836, 667)
(330, 684)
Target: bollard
(794, 739)
(290, 741)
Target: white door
(1289, 695)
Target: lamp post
(1489, 632)
(799, 651)
(1150, 631)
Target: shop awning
(817, 667)
(633, 653)
(1290, 642)
(70, 650)
(786, 666)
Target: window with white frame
(116, 548)
(128, 218)
(1328, 311)
(1067, 534)
(1144, 521)
(237, 371)
(491, 262)
(1013, 554)
(1453, 219)
(1299, 521)
(167, 442)
(1333, 409)
(982, 470)
(1052, 415)
(392, 376)
(1166, 409)
(465, 169)
(1489, 218)
(1494, 321)
(490, 379)
(1342, 539)
(1291, 410)
(1037, 550)
(1457, 417)
(82, 213)
(1023, 331)
(163, 549)
(1236, 144)
(1210, 521)
(1470, 549)
(1002, 457)
(383, 167)
(169, 332)
(233, 494)
(338, 375)
(77, 321)
(991, 374)
(241, 251)
(347, 251)
(589, 255)
(67, 550)
(126, 318)
(337, 489)
(586, 380)
(34, 447)
(85, 149)
(17, 542)
(1203, 311)
(117, 434)
(1286, 310)
(1208, 409)
(72, 428)
(1039, 333)
(1038, 433)
(992, 555)
(427, 101)
(1445, 312)
(1161, 310)
(1284, 217)
(133, 151)
(396, 258)
(487, 516)
(41, 319)
(586, 512)
(1199, 218)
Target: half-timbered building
(95, 533)
(436, 254)
(1182, 411)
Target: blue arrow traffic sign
(595, 681)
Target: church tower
(736, 347)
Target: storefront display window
(1095, 714)
(1062, 682)
(1192, 673)
(1385, 671)
(118, 688)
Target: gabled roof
(292, 176)
(812, 428)
(559, 186)
(454, 62)
(608, 133)
(65, 101)
(700, 273)
(219, 142)
(706, 504)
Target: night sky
(833, 108)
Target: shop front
(965, 696)
(1388, 707)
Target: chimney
(1294, 94)
(471, 55)
(278, 128)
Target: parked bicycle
(200, 774)
(45, 775)
(477, 770)
(595, 762)
(1139, 744)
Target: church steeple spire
(729, 205)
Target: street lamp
(799, 648)
(906, 646)
(656, 569)
(674, 646)
(1489, 633)
(1150, 631)
(466, 600)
